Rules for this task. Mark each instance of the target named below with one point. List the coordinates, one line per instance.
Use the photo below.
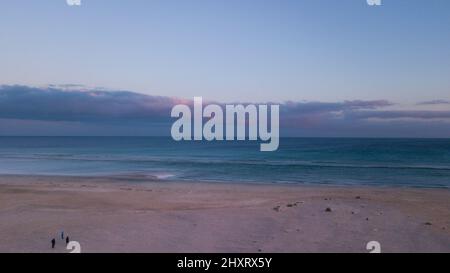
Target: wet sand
(124, 214)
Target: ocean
(311, 161)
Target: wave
(177, 160)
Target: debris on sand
(328, 209)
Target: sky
(338, 68)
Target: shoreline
(115, 215)
(138, 178)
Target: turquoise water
(337, 161)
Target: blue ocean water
(314, 161)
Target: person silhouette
(53, 243)
(67, 240)
(62, 235)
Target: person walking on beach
(62, 235)
(53, 243)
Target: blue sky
(233, 50)
(319, 51)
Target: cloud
(434, 102)
(296, 108)
(79, 110)
(79, 103)
(62, 104)
(426, 115)
(308, 114)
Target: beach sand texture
(112, 214)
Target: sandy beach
(124, 214)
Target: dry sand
(125, 215)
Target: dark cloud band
(74, 109)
